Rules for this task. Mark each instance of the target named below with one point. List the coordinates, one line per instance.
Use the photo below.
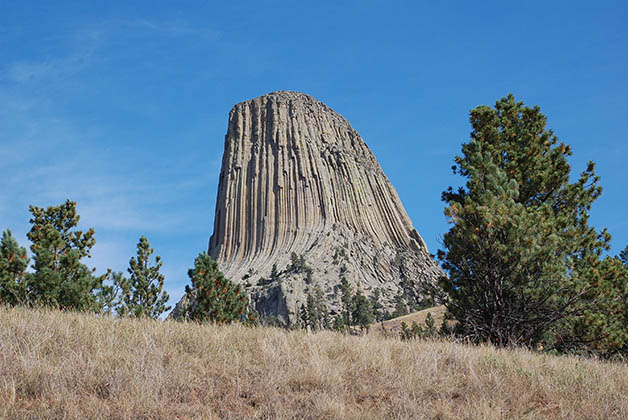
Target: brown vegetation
(67, 365)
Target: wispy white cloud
(109, 201)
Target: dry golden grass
(66, 365)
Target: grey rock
(297, 178)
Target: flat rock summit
(300, 190)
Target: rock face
(301, 191)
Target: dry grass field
(73, 366)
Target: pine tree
(362, 311)
(401, 308)
(520, 247)
(326, 320)
(322, 312)
(602, 327)
(378, 308)
(60, 279)
(623, 256)
(339, 324)
(215, 298)
(430, 328)
(142, 293)
(313, 312)
(274, 273)
(406, 333)
(416, 330)
(347, 301)
(13, 276)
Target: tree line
(356, 309)
(58, 278)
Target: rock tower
(300, 190)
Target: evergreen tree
(339, 324)
(445, 329)
(59, 278)
(322, 312)
(406, 333)
(13, 276)
(430, 328)
(378, 308)
(274, 273)
(297, 263)
(326, 320)
(416, 330)
(362, 311)
(142, 292)
(347, 301)
(215, 298)
(313, 312)
(401, 308)
(623, 256)
(520, 248)
(602, 326)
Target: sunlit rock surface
(297, 179)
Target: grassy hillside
(66, 365)
(392, 327)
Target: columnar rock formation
(297, 180)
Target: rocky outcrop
(300, 190)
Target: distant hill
(393, 326)
(57, 365)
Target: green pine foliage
(602, 326)
(378, 308)
(314, 314)
(430, 328)
(142, 294)
(411, 333)
(520, 252)
(347, 301)
(339, 323)
(60, 279)
(298, 265)
(406, 333)
(623, 256)
(274, 273)
(401, 308)
(355, 309)
(13, 275)
(415, 331)
(362, 311)
(216, 298)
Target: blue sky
(123, 106)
